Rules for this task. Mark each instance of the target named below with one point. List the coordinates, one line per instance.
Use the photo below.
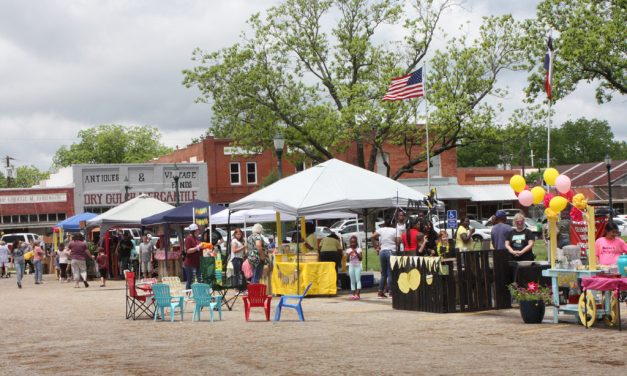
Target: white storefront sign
(33, 199)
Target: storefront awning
(496, 192)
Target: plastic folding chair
(257, 297)
(283, 303)
(164, 300)
(201, 293)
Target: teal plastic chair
(164, 300)
(201, 293)
(283, 303)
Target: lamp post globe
(176, 184)
(279, 143)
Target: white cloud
(67, 65)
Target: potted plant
(532, 300)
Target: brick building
(34, 209)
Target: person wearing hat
(193, 252)
(500, 230)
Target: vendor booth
(329, 186)
(169, 257)
(129, 213)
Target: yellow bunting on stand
(592, 256)
(403, 283)
(279, 234)
(414, 279)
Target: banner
(201, 216)
(579, 233)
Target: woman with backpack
(256, 252)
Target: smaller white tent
(330, 186)
(267, 215)
(130, 213)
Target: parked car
(482, 232)
(321, 232)
(622, 225)
(348, 231)
(340, 225)
(23, 236)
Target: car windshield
(337, 224)
(477, 225)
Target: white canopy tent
(267, 215)
(330, 186)
(129, 213)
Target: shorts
(103, 272)
(146, 266)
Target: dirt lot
(57, 329)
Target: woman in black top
(520, 241)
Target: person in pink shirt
(610, 246)
(38, 257)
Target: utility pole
(9, 169)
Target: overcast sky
(69, 65)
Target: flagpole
(424, 85)
(549, 89)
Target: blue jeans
(19, 270)
(257, 272)
(386, 269)
(237, 271)
(190, 271)
(39, 268)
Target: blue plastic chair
(297, 306)
(164, 300)
(201, 293)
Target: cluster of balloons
(553, 204)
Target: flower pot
(532, 311)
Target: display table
(555, 274)
(608, 285)
(320, 274)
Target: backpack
(253, 252)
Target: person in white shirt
(4, 258)
(388, 238)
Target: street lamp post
(608, 165)
(279, 143)
(126, 188)
(176, 184)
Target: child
(442, 245)
(354, 267)
(103, 266)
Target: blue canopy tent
(182, 215)
(73, 223)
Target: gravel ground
(55, 329)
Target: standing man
(193, 252)
(18, 251)
(500, 231)
(388, 240)
(124, 248)
(146, 250)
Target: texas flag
(548, 66)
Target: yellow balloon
(550, 174)
(580, 202)
(538, 194)
(517, 183)
(550, 214)
(558, 203)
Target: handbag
(247, 269)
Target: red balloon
(547, 199)
(568, 195)
(576, 214)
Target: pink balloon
(525, 198)
(562, 183)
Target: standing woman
(79, 254)
(388, 241)
(18, 251)
(256, 252)
(238, 251)
(431, 239)
(193, 251)
(520, 240)
(38, 257)
(64, 253)
(4, 258)
(409, 238)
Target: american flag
(548, 66)
(405, 87)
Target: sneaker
(357, 297)
(102, 285)
(86, 284)
(19, 285)
(381, 295)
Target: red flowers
(532, 287)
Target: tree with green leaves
(112, 144)
(316, 70)
(25, 177)
(589, 42)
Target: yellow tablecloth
(321, 274)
